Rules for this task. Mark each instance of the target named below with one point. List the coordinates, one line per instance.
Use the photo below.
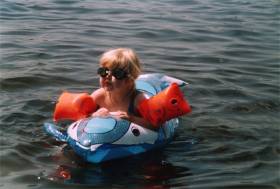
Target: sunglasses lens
(103, 72)
(119, 74)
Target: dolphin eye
(135, 131)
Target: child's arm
(98, 97)
(135, 119)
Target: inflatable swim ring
(99, 139)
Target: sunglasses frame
(118, 73)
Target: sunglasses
(118, 73)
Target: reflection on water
(146, 170)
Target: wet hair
(123, 58)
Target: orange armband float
(74, 106)
(165, 105)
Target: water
(227, 50)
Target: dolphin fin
(52, 130)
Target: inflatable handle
(165, 105)
(74, 106)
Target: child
(119, 68)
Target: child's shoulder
(98, 94)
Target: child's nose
(109, 75)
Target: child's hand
(102, 112)
(120, 115)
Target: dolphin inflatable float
(100, 139)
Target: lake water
(227, 50)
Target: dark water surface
(227, 50)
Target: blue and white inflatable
(101, 139)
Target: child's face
(109, 81)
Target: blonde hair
(123, 58)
